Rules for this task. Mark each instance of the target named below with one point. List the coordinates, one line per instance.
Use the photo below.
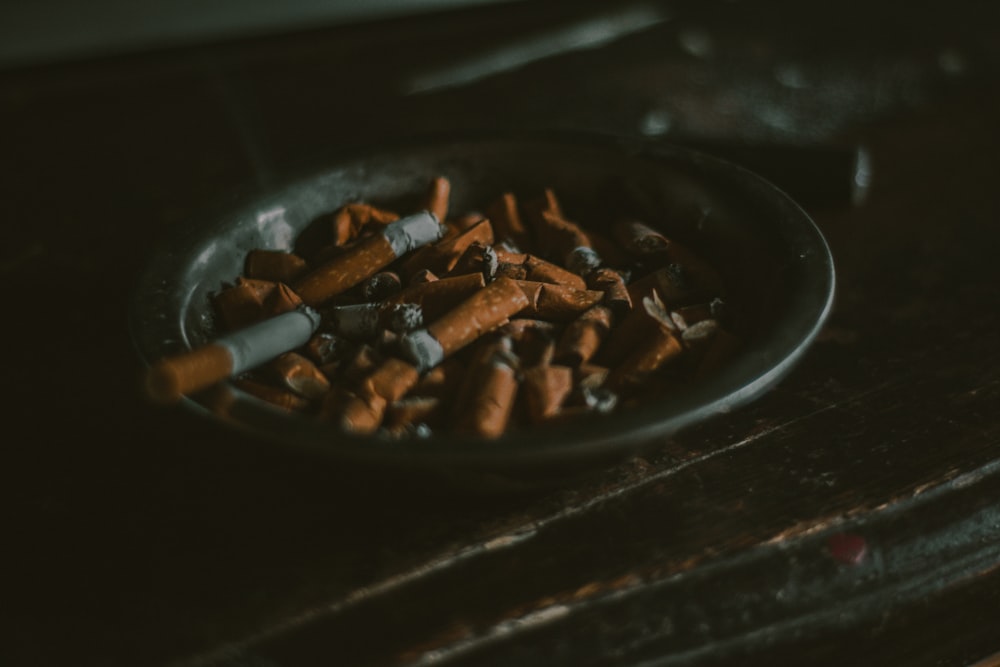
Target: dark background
(135, 535)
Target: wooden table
(851, 514)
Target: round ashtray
(775, 262)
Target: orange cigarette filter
(282, 398)
(558, 237)
(557, 303)
(390, 381)
(540, 270)
(242, 304)
(414, 410)
(439, 296)
(649, 355)
(489, 400)
(507, 223)
(440, 257)
(368, 257)
(423, 276)
(545, 388)
(300, 375)
(584, 335)
(482, 312)
(616, 295)
(232, 354)
(274, 265)
(281, 300)
(351, 219)
(640, 322)
(438, 194)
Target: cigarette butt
(402, 317)
(358, 321)
(558, 237)
(171, 378)
(359, 415)
(300, 375)
(557, 303)
(464, 222)
(545, 388)
(438, 297)
(414, 410)
(281, 300)
(281, 398)
(616, 295)
(274, 265)
(350, 219)
(240, 305)
(381, 286)
(324, 348)
(368, 257)
(388, 382)
(542, 271)
(650, 354)
(440, 257)
(437, 197)
(547, 202)
(490, 400)
(442, 381)
(536, 347)
(482, 312)
(360, 365)
(519, 327)
(508, 256)
(584, 335)
(506, 218)
(641, 322)
(422, 276)
(639, 238)
(232, 354)
(477, 258)
(512, 271)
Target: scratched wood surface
(845, 515)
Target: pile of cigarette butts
(477, 324)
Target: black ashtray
(774, 260)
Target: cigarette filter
(584, 336)
(489, 401)
(299, 375)
(368, 257)
(616, 296)
(439, 296)
(241, 305)
(480, 313)
(437, 197)
(506, 218)
(441, 256)
(274, 265)
(556, 303)
(235, 353)
(545, 388)
(350, 219)
(281, 300)
(281, 398)
(542, 271)
(381, 286)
